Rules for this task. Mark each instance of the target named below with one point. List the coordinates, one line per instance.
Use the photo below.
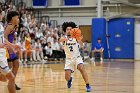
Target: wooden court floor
(109, 77)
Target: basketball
(75, 33)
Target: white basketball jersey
(71, 48)
(1, 34)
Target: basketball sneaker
(88, 88)
(69, 83)
(17, 88)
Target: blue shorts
(12, 57)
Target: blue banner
(39, 3)
(72, 2)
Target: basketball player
(71, 48)
(9, 33)
(5, 71)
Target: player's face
(68, 29)
(15, 19)
(99, 41)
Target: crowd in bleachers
(37, 42)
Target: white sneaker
(45, 57)
(25, 60)
(101, 59)
(43, 61)
(21, 60)
(31, 59)
(92, 60)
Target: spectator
(98, 49)
(39, 50)
(39, 34)
(50, 38)
(84, 49)
(56, 49)
(28, 47)
(22, 51)
(48, 49)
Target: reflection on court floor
(108, 77)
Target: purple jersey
(11, 36)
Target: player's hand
(10, 76)
(80, 38)
(63, 39)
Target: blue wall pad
(121, 32)
(121, 41)
(99, 31)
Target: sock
(70, 79)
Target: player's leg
(4, 68)
(8, 73)
(5, 71)
(11, 83)
(15, 66)
(68, 70)
(81, 68)
(68, 78)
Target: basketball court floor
(108, 77)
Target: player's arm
(62, 39)
(6, 33)
(2, 45)
(80, 41)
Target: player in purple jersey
(9, 33)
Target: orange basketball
(75, 33)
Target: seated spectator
(84, 49)
(39, 34)
(48, 49)
(98, 49)
(56, 49)
(28, 47)
(22, 51)
(39, 51)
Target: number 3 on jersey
(71, 49)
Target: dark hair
(68, 24)
(99, 38)
(0, 11)
(11, 14)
